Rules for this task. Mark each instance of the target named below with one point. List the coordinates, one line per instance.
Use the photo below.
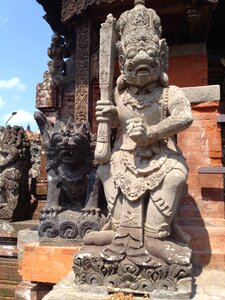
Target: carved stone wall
(82, 72)
(46, 94)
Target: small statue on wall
(144, 175)
(69, 211)
(57, 52)
(15, 162)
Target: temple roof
(183, 21)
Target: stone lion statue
(71, 178)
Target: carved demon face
(72, 145)
(141, 64)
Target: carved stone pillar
(82, 72)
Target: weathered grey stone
(8, 248)
(26, 236)
(209, 285)
(57, 52)
(144, 174)
(11, 230)
(71, 208)
(15, 162)
(31, 291)
(201, 94)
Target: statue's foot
(125, 246)
(99, 238)
(168, 251)
(141, 257)
(179, 235)
(113, 253)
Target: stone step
(207, 241)
(209, 285)
(7, 290)
(9, 271)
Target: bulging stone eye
(131, 54)
(57, 138)
(76, 139)
(150, 52)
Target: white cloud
(13, 83)
(2, 102)
(22, 117)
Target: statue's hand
(105, 112)
(137, 131)
(152, 134)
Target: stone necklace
(143, 100)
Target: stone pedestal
(165, 282)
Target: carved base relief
(90, 268)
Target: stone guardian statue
(144, 174)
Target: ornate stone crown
(139, 24)
(140, 28)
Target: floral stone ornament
(141, 248)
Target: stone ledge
(66, 289)
(202, 94)
(207, 285)
(11, 230)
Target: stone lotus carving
(144, 175)
(69, 162)
(14, 166)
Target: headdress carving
(141, 27)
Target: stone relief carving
(71, 207)
(144, 174)
(57, 52)
(72, 7)
(46, 92)
(82, 72)
(14, 167)
(75, 7)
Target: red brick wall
(201, 145)
(188, 70)
(46, 263)
(202, 208)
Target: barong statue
(143, 175)
(71, 208)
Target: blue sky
(25, 37)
